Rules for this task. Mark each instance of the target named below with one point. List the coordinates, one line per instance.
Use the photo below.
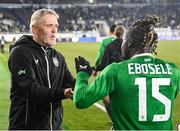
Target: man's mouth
(53, 36)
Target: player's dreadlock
(143, 35)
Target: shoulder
(57, 54)
(174, 67)
(112, 43)
(110, 47)
(113, 70)
(110, 70)
(171, 64)
(108, 39)
(18, 50)
(24, 44)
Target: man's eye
(48, 25)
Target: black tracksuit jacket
(39, 76)
(112, 53)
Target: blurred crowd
(83, 17)
(85, 1)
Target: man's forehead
(49, 18)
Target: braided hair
(142, 34)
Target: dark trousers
(2, 48)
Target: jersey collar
(113, 36)
(143, 54)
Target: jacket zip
(27, 106)
(49, 84)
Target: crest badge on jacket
(55, 61)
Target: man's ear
(34, 29)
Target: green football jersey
(102, 47)
(141, 90)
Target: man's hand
(83, 65)
(68, 92)
(94, 73)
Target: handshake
(82, 64)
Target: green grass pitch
(86, 119)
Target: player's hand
(68, 92)
(94, 72)
(83, 65)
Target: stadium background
(83, 23)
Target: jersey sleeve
(178, 86)
(100, 53)
(86, 94)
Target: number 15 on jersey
(156, 84)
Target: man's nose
(54, 29)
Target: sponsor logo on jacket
(21, 72)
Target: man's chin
(51, 44)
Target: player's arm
(100, 53)
(69, 80)
(178, 77)
(68, 83)
(86, 94)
